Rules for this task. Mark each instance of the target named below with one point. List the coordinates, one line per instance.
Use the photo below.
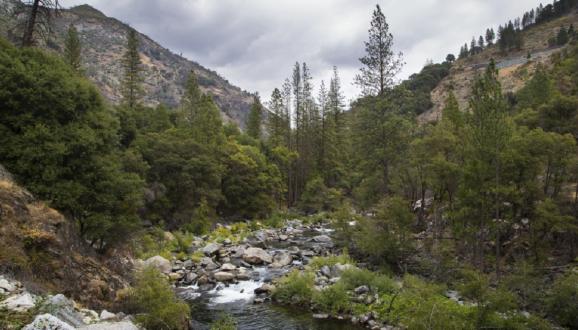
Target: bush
(225, 322)
(295, 288)
(333, 299)
(155, 304)
(382, 284)
(563, 300)
(317, 262)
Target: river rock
(106, 315)
(211, 249)
(224, 276)
(7, 286)
(283, 238)
(322, 239)
(281, 259)
(19, 303)
(361, 289)
(208, 263)
(265, 288)
(175, 276)
(47, 321)
(190, 277)
(326, 271)
(257, 256)
(188, 264)
(338, 269)
(228, 267)
(122, 325)
(160, 263)
(243, 274)
(320, 316)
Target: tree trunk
(28, 37)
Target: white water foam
(239, 292)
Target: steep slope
(41, 248)
(515, 67)
(165, 73)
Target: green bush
(333, 299)
(225, 322)
(355, 277)
(295, 288)
(563, 300)
(317, 262)
(154, 303)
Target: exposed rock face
(257, 256)
(63, 308)
(164, 73)
(19, 303)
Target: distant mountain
(515, 68)
(165, 73)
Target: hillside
(165, 73)
(515, 67)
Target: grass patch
(295, 288)
(317, 262)
(378, 283)
(333, 299)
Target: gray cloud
(254, 43)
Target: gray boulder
(322, 239)
(19, 303)
(281, 259)
(224, 276)
(123, 325)
(211, 249)
(47, 321)
(208, 263)
(63, 308)
(257, 256)
(160, 263)
(106, 315)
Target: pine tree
(72, 49)
(481, 43)
(255, 119)
(275, 124)
(38, 19)
(132, 80)
(380, 64)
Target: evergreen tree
(132, 80)
(39, 17)
(255, 119)
(481, 44)
(276, 124)
(380, 64)
(72, 49)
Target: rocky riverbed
(240, 278)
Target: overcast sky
(254, 43)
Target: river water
(236, 300)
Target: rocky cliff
(104, 38)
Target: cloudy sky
(254, 43)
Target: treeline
(509, 36)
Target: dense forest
(486, 197)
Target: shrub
(295, 288)
(155, 304)
(225, 322)
(333, 299)
(317, 262)
(563, 300)
(355, 277)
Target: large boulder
(7, 286)
(19, 303)
(211, 249)
(281, 259)
(224, 276)
(160, 263)
(322, 239)
(63, 308)
(47, 321)
(257, 256)
(208, 263)
(228, 267)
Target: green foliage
(255, 119)
(317, 197)
(562, 303)
(385, 238)
(378, 283)
(153, 299)
(72, 49)
(295, 288)
(332, 299)
(132, 80)
(225, 322)
(317, 262)
(61, 141)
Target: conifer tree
(38, 19)
(255, 118)
(132, 81)
(72, 49)
(380, 64)
(276, 122)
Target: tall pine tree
(132, 81)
